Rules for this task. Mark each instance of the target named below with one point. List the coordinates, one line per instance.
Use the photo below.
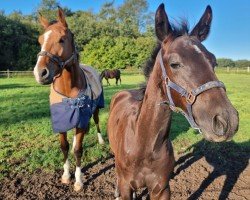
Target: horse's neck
(70, 82)
(154, 120)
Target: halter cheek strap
(57, 59)
(190, 96)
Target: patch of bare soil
(203, 175)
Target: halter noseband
(57, 59)
(190, 96)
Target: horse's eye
(61, 41)
(174, 65)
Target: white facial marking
(36, 71)
(197, 49)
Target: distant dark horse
(115, 73)
(180, 77)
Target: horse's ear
(43, 21)
(61, 17)
(162, 25)
(202, 29)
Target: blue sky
(230, 33)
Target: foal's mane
(179, 28)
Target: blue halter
(190, 96)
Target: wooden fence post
(8, 73)
(248, 69)
(227, 69)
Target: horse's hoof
(65, 180)
(78, 187)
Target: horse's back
(124, 111)
(93, 79)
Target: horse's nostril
(44, 73)
(220, 126)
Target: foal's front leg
(65, 149)
(78, 155)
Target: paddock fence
(12, 74)
(233, 70)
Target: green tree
(119, 52)
(18, 42)
(84, 26)
(225, 62)
(47, 8)
(242, 63)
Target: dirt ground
(201, 176)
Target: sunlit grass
(27, 141)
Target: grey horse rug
(68, 113)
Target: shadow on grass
(14, 86)
(228, 159)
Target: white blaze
(36, 71)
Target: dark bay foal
(180, 77)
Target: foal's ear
(202, 29)
(162, 25)
(43, 21)
(61, 17)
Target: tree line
(115, 37)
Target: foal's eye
(174, 65)
(61, 41)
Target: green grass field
(27, 141)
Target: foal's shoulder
(134, 96)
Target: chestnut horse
(180, 77)
(111, 73)
(70, 106)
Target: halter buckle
(165, 79)
(190, 98)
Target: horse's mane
(179, 28)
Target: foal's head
(189, 64)
(57, 49)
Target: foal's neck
(154, 117)
(70, 81)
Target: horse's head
(57, 49)
(190, 78)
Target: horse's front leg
(78, 155)
(107, 81)
(65, 149)
(96, 119)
